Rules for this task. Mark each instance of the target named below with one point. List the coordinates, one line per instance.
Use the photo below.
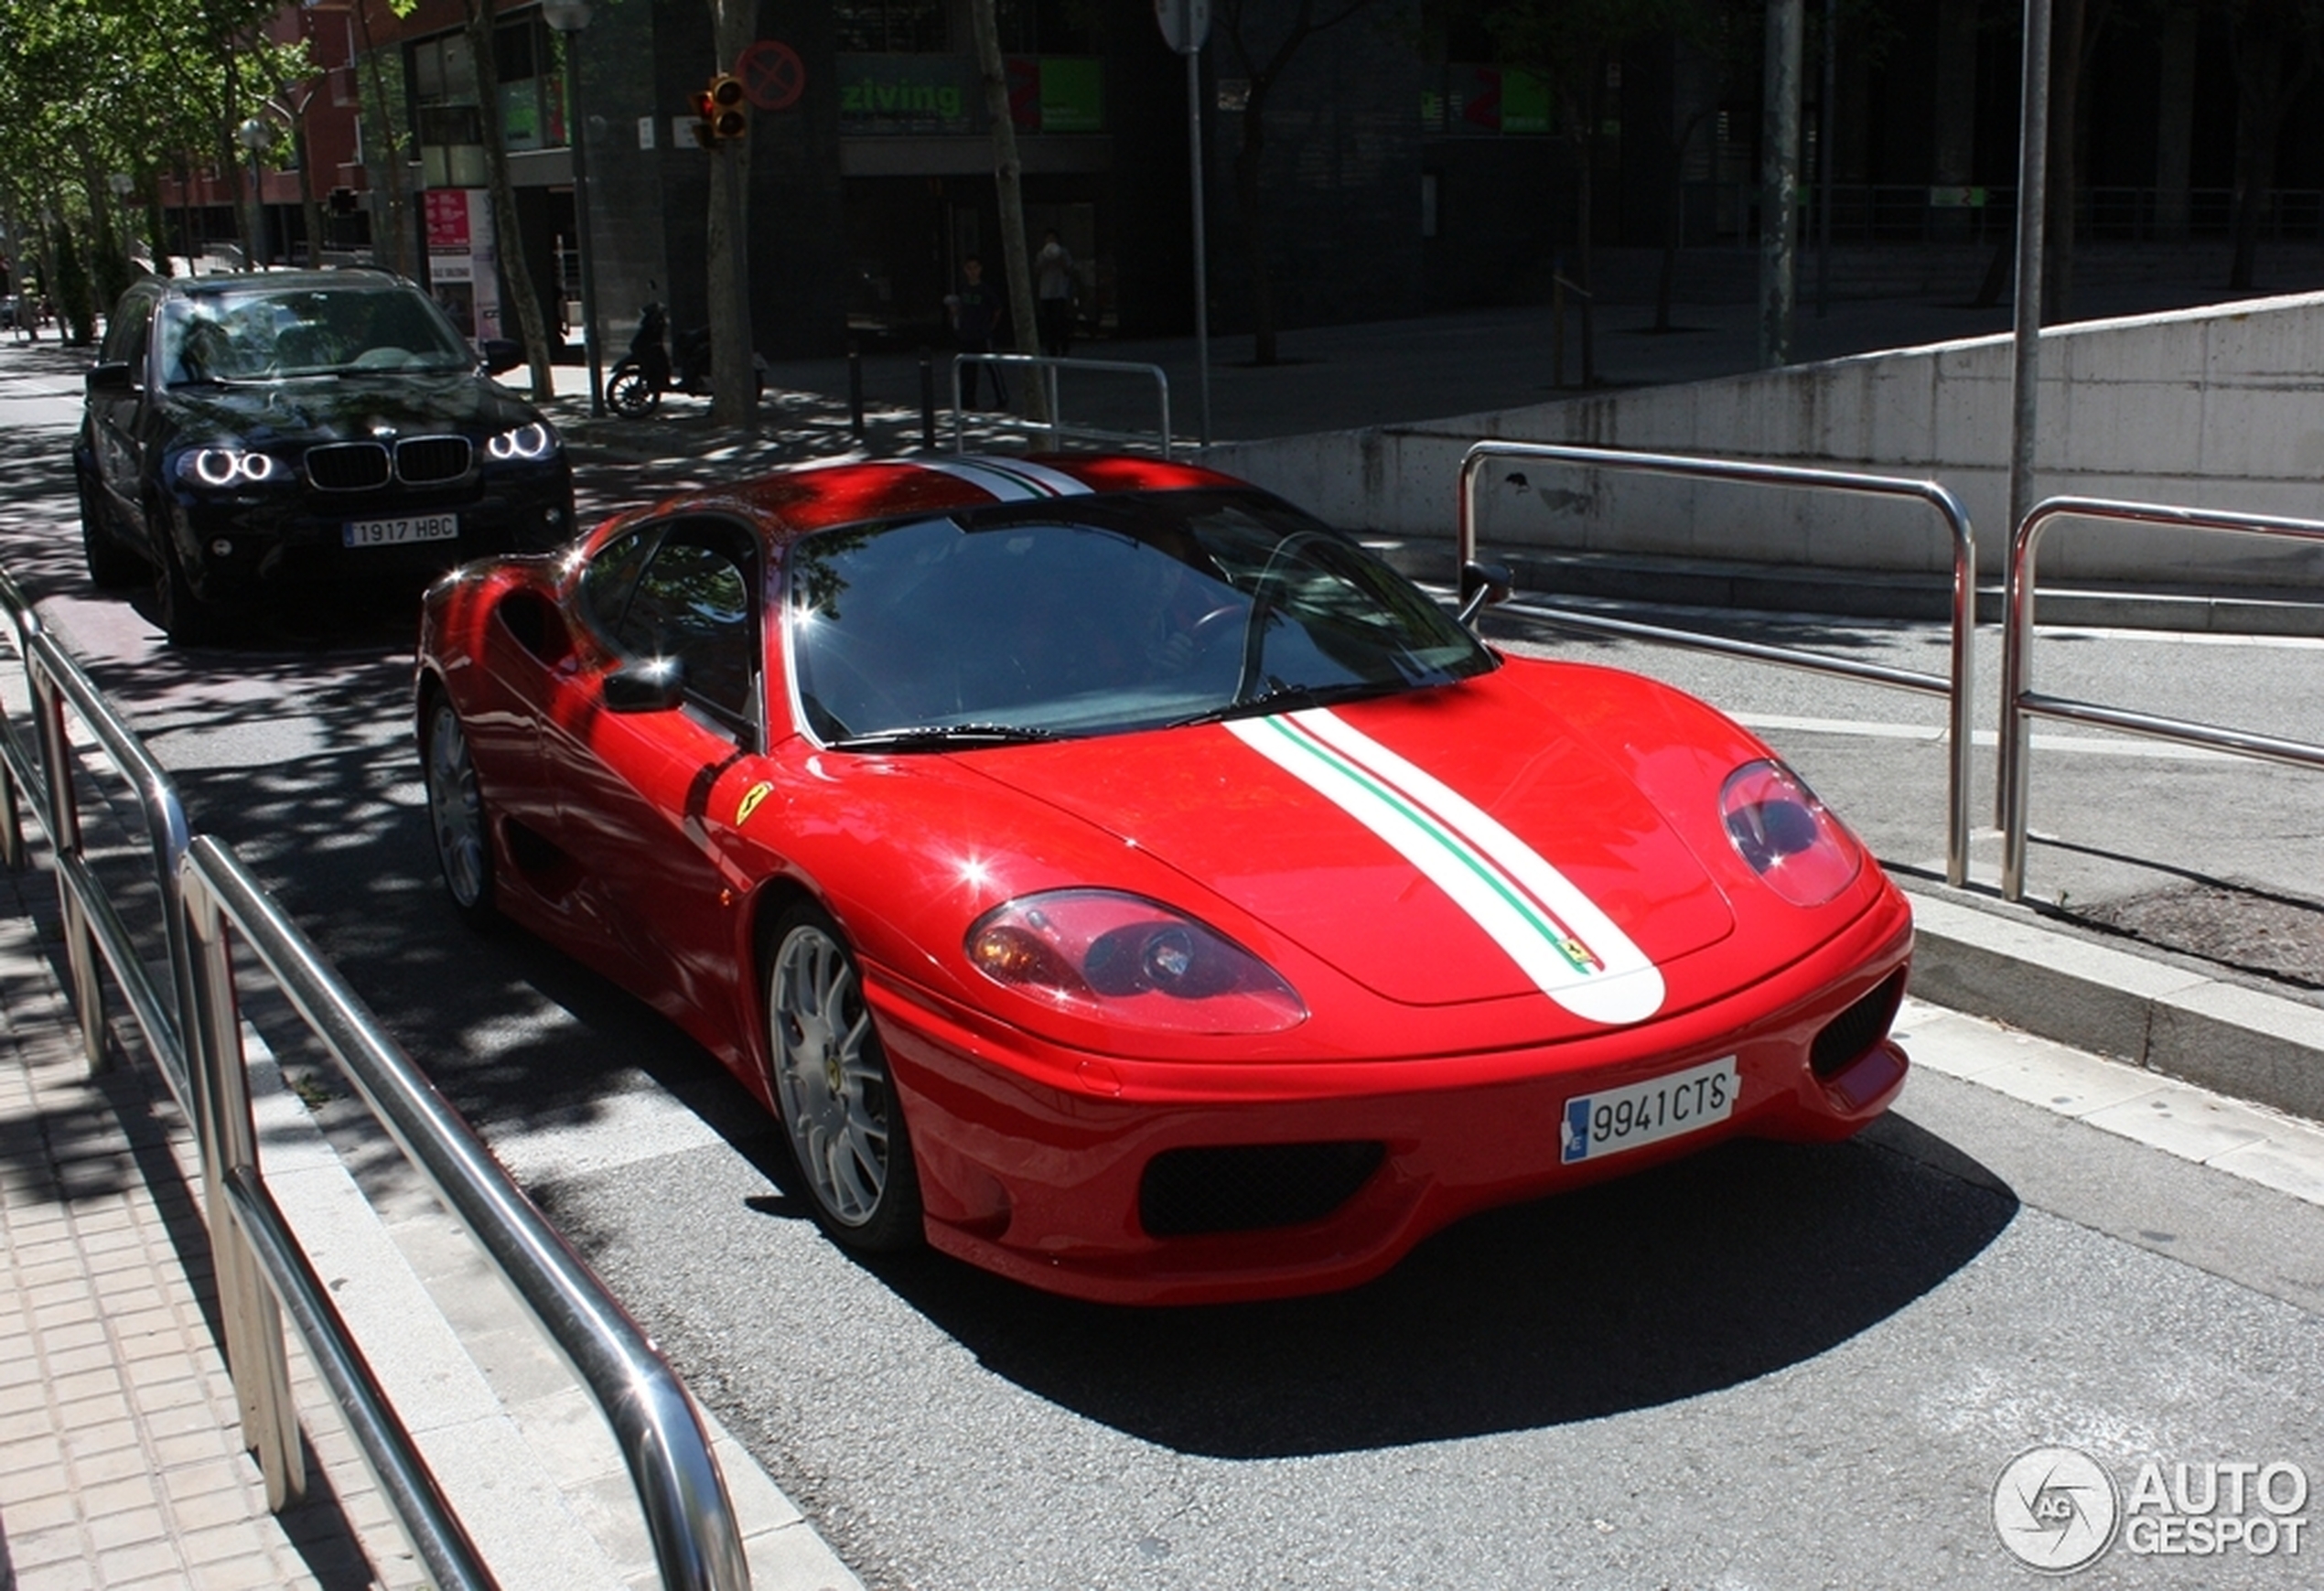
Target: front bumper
(1036, 1162)
(236, 548)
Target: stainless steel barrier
(1954, 686)
(196, 1030)
(1048, 369)
(2020, 702)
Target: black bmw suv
(248, 433)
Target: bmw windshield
(1096, 616)
(264, 334)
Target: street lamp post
(569, 17)
(255, 135)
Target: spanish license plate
(396, 532)
(1596, 1125)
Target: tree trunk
(507, 243)
(1248, 158)
(1008, 182)
(311, 206)
(2175, 126)
(392, 163)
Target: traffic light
(704, 119)
(728, 111)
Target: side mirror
(111, 379)
(502, 353)
(649, 685)
(1481, 585)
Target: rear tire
(457, 817)
(833, 1090)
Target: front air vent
(1242, 1188)
(432, 461)
(1849, 1035)
(347, 467)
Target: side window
(612, 576)
(125, 337)
(694, 600)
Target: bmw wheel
(457, 813)
(833, 1091)
(184, 617)
(111, 565)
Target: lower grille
(1245, 1187)
(1847, 1037)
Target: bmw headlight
(1124, 959)
(531, 441)
(1798, 849)
(221, 467)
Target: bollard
(927, 400)
(856, 389)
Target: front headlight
(528, 441)
(1798, 849)
(1122, 957)
(220, 467)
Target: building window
(891, 27)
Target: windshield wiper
(1283, 698)
(940, 737)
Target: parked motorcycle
(653, 366)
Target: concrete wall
(2221, 407)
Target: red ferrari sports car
(1113, 877)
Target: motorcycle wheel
(630, 394)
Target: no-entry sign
(773, 77)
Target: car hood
(1449, 845)
(340, 408)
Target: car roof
(222, 283)
(789, 504)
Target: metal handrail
(56, 682)
(1049, 366)
(1956, 687)
(194, 1030)
(2020, 702)
(697, 1543)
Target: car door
(116, 403)
(634, 788)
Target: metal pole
(578, 140)
(2033, 185)
(2033, 182)
(1780, 182)
(927, 399)
(854, 389)
(1824, 119)
(1202, 269)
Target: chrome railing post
(65, 840)
(1957, 685)
(227, 1137)
(2014, 739)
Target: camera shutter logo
(2056, 1510)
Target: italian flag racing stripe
(1557, 936)
(1009, 479)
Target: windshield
(1032, 620)
(263, 335)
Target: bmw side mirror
(647, 685)
(110, 379)
(1481, 585)
(502, 353)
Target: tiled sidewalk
(120, 1460)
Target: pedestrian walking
(1053, 278)
(976, 313)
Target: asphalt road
(1768, 1367)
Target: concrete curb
(1997, 962)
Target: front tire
(631, 393)
(458, 818)
(834, 1091)
(179, 609)
(111, 566)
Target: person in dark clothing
(977, 312)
